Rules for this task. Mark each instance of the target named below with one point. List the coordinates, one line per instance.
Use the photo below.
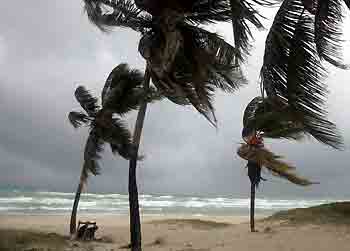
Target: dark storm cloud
(48, 48)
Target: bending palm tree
(186, 63)
(122, 93)
(303, 33)
(261, 120)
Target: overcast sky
(47, 48)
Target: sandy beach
(177, 233)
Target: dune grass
(16, 240)
(334, 213)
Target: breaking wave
(57, 202)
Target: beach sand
(179, 233)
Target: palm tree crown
(186, 62)
(260, 121)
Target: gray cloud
(48, 48)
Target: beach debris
(86, 232)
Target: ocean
(42, 202)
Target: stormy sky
(48, 48)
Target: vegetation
(25, 240)
(122, 93)
(261, 120)
(334, 213)
(303, 34)
(185, 62)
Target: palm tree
(122, 93)
(185, 62)
(262, 120)
(304, 33)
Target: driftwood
(86, 232)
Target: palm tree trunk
(73, 218)
(252, 207)
(135, 224)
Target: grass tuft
(334, 213)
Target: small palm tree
(122, 93)
(185, 62)
(262, 120)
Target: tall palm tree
(185, 62)
(262, 120)
(303, 34)
(122, 93)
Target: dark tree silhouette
(185, 62)
(262, 120)
(122, 93)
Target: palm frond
(271, 162)
(242, 12)
(86, 100)
(211, 52)
(347, 2)
(121, 83)
(77, 119)
(292, 177)
(251, 110)
(119, 138)
(123, 90)
(310, 5)
(263, 157)
(328, 32)
(92, 154)
(203, 63)
(272, 119)
(209, 11)
(292, 72)
(121, 13)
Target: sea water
(44, 202)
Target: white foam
(57, 201)
(20, 199)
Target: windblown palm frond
(123, 13)
(292, 72)
(123, 90)
(92, 153)
(347, 2)
(121, 79)
(203, 62)
(271, 162)
(244, 12)
(209, 11)
(77, 119)
(328, 31)
(119, 138)
(86, 100)
(271, 120)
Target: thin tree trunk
(252, 207)
(135, 224)
(73, 218)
